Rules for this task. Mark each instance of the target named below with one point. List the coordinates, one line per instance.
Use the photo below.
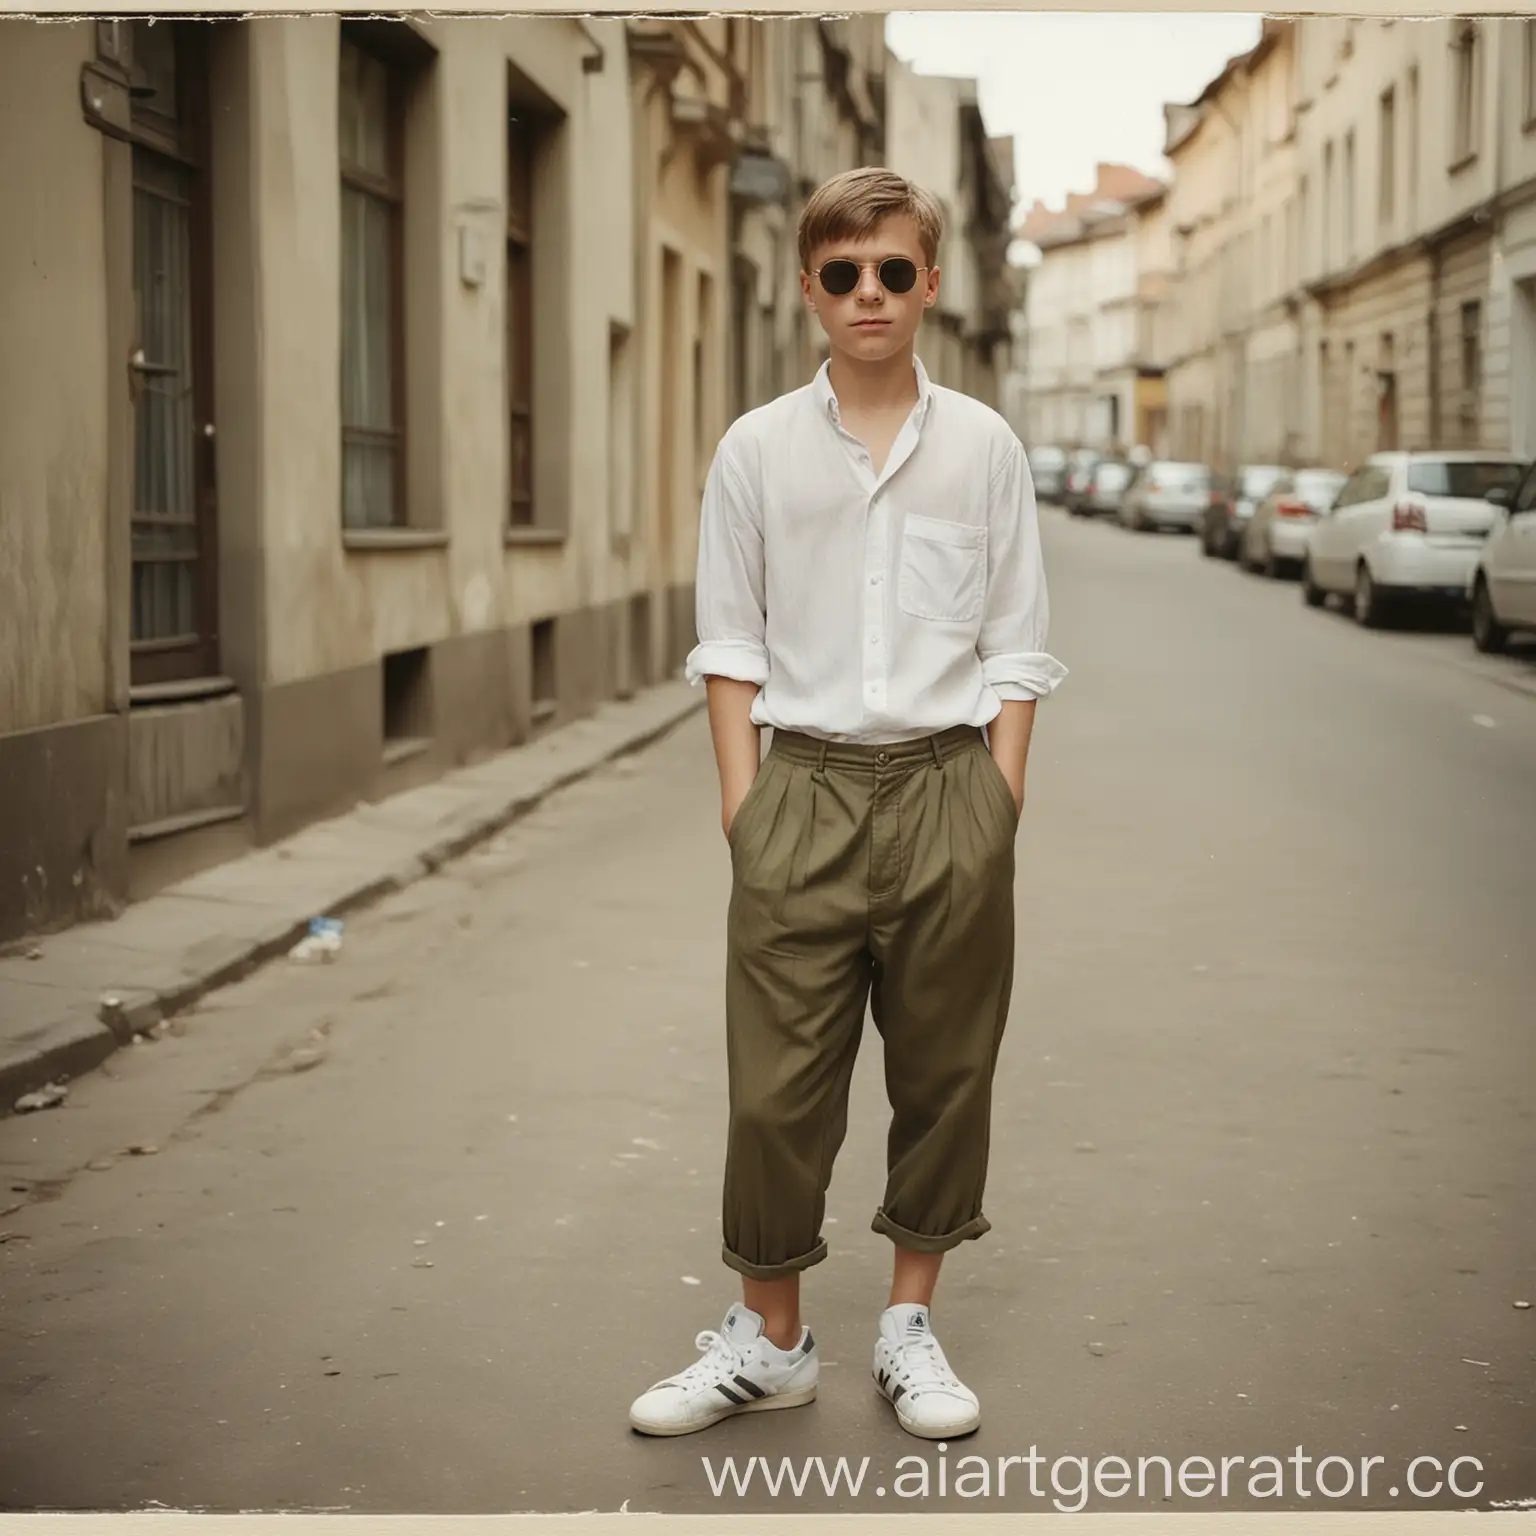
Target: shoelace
(721, 1357)
(924, 1365)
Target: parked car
(1405, 525)
(1106, 485)
(1080, 468)
(1167, 494)
(1233, 499)
(1503, 585)
(1048, 469)
(1275, 538)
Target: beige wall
(54, 556)
(330, 606)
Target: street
(410, 1230)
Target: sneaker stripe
(749, 1386)
(809, 1345)
(725, 1391)
(899, 1393)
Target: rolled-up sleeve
(730, 605)
(1014, 661)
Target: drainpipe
(1496, 203)
(1432, 342)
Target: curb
(78, 1045)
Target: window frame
(1466, 70)
(1386, 166)
(519, 344)
(1469, 340)
(1528, 54)
(1349, 197)
(186, 142)
(389, 190)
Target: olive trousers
(865, 875)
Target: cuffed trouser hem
(773, 1271)
(919, 1242)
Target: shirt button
(882, 758)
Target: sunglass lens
(898, 274)
(840, 277)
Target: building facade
(373, 372)
(1093, 315)
(1353, 213)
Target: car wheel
(1312, 594)
(1370, 605)
(1270, 566)
(1488, 635)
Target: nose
(869, 285)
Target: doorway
(174, 603)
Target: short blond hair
(853, 204)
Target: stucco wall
(329, 607)
(53, 391)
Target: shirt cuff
(742, 660)
(1020, 675)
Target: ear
(931, 295)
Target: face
(872, 322)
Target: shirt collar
(826, 399)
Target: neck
(889, 384)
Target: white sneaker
(910, 1369)
(741, 1372)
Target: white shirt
(872, 608)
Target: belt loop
(933, 746)
(821, 760)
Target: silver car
(1167, 494)
(1048, 469)
(1275, 537)
(1106, 487)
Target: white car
(1275, 538)
(1503, 585)
(1405, 525)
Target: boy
(870, 587)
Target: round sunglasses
(896, 274)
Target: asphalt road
(419, 1224)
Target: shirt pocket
(943, 570)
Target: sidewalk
(163, 954)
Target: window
(1303, 229)
(522, 146)
(1413, 145)
(1349, 195)
(1524, 499)
(1327, 206)
(543, 676)
(1528, 32)
(372, 290)
(407, 685)
(1465, 478)
(1471, 363)
(1387, 191)
(621, 459)
(1375, 484)
(1464, 83)
(173, 605)
(1350, 492)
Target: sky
(1074, 88)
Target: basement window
(407, 704)
(544, 691)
